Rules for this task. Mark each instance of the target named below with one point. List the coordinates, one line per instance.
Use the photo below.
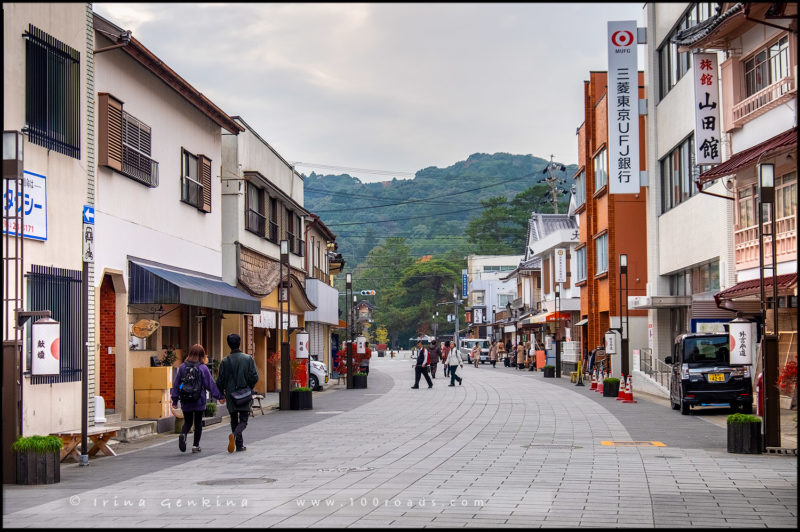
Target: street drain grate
(346, 469)
(633, 443)
(235, 481)
(551, 446)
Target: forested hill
(433, 209)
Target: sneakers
(241, 449)
(415, 387)
(195, 448)
(182, 442)
(231, 443)
(450, 385)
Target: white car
(319, 375)
(466, 349)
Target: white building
(488, 292)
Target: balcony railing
(764, 100)
(746, 242)
(321, 275)
(139, 166)
(654, 367)
(255, 222)
(301, 248)
(273, 232)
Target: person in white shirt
(454, 360)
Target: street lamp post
(623, 269)
(349, 348)
(283, 294)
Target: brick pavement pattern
(529, 454)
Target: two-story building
(158, 216)
(489, 293)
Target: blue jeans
(453, 375)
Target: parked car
(702, 374)
(468, 343)
(319, 375)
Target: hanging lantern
(301, 346)
(45, 337)
(741, 341)
(361, 345)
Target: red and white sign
(623, 108)
(707, 131)
(45, 347)
(301, 348)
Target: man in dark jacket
(423, 361)
(436, 355)
(237, 371)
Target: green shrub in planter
(300, 398)
(301, 389)
(744, 434)
(360, 380)
(610, 387)
(211, 409)
(38, 459)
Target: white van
(468, 343)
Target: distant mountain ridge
(431, 210)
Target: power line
(347, 168)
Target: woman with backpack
(190, 386)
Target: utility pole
(553, 180)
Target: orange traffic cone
(628, 392)
(621, 394)
(594, 380)
(600, 382)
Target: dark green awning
(149, 284)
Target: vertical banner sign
(477, 313)
(741, 341)
(463, 283)
(623, 109)
(560, 265)
(45, 335)
(301, 347)
(361, 345)
(611, 343)
(707, 135)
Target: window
(124, 142)
(786, 196)
(747, 214)
(581, 258)
(196, 180)
(766, 67)
(506, 268)
(672, 64)
(504, 299)
(600, 170)
(699, 279)
(273, 220)
(52, 93)
(678, 173)
(255, 217)
(601, 246)
(580, 188)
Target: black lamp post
(283, 295)
(623, 269)
(349, 350)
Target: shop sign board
(45, 338)
(32, 206)
(623, 108)
(707, 131)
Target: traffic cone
(594, 380)
(628, 392)
(600, 382)
(621, 394)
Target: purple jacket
(208, 384)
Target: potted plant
(210, 415)
(300, 398)
(744, 434)
(549, 371)
(38, 459)
(610, 387)
(359, 380)
(787, 382)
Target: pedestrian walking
(445, 354)
(520, 356)
(436, 354)
(493, 353)
(501, 352)
(476, 354)
(532, 356)
(421, 368)
(237, 376)
(454, 360)
(190, 385)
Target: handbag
(242, 396)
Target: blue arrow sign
(88, 214)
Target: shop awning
(787, 283)
(584, 321)
(749, 157)
(543, 317)
(149, 284)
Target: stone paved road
(506, 449)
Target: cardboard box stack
(151, 391)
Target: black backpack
(191, 385)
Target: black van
(702, 374)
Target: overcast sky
(395, 87)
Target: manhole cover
(345, 469)
(235, 481)
(551, 446)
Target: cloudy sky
(390, 87)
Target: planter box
(610, 390)
(38, 468)
(211, 421)
(786, 402)
(359, 381)
(549, 372)
(744, 438)
(300, 400)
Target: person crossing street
(421, 368)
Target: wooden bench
(98, 436)
(256, 397)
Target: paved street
(506, 449)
